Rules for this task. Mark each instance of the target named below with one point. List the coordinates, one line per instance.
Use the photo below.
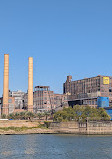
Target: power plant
(39, 100)
(94, 91)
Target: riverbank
(16, 130)
(23, 127)
(45, 131)
(72, 127)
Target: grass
(22, 128)
(42, 126)
(16, 128)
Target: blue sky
(63, 36)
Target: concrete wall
(101, 127)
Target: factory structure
(12, 100)
(94, 91)
(40, 100)
(5, 107)
(87, 90)
(46, 100)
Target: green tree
(3, 116)
(29, 115)
(39, 115)
(46, 114)
(81, 113)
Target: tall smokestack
(5, 108)
(30, 85)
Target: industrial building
(11, 105)
(18, 96)
(45, 100)
(42, 99)
(87, 90)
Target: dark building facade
(45, 100)
(86, 91)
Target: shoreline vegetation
(76, 120)
(24, 130)
(78, 112)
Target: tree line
(81, 113)
(77, 113)
(25, 115)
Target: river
(45, 146)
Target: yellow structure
(5, 108)
(30, 85)
(105, 80)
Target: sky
(64, 37)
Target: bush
(3, 116)
(47, 124)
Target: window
(10, 100)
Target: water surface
(44, 146)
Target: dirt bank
(27, 131)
